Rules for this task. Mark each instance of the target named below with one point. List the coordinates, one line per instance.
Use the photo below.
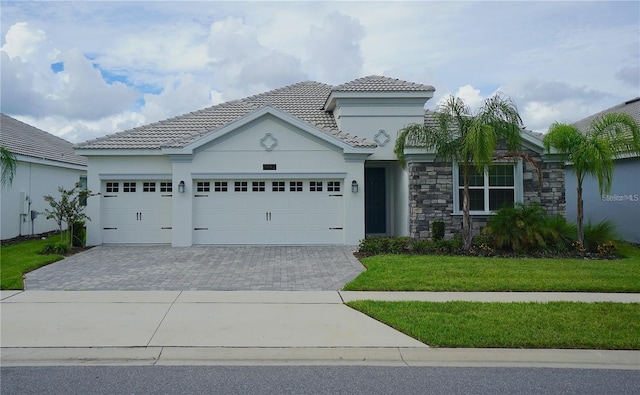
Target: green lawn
(611, 326)
(462, 273)
(20, 258)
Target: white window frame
(517, 184)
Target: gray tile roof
(303, 100)
(378, 83)
(23, 139)
(630, 107)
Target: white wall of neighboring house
(34, 178)
(621, 205)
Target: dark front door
(375, 218)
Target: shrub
(564, 232)
(437, 230)
(78, 233)
(61, 248)
(598, 234)
(519, 228)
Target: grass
(20, 258)
(567, 325)
(462, 273)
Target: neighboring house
(309, 163)
(45, 162)
(622, 204)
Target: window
(166, 186)
(315, 186)
(128, 187)
(83, 187)
(333, 186)
(277, 186)
(112, 187)
(489, 191)
(240, 186)
(257, 186)
(220, 186)
(295, 186)
(148, 187)
(203, 186)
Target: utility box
(24, 206)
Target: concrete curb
(391, 356)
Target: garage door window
(166, 187)
(295, 186)
(128, 187)
(315, 186)
(203, 186)
(333, 186)
(220, 186)
(112, 186)
(257, 186)
(277, 186)
(240, 186)
(148, 187)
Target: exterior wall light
(354, 186)
(181, 187)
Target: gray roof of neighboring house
(630, 107)
(304, 101)
(23, 139)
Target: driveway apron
(217, 268)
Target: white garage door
(268, 212)
(136, 211)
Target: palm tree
(593, 153)
(470, 139)
(9, 164)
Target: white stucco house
(622, 204)
(45, 162)
(308, 163)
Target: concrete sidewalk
(255, 327)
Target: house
(622, 204)
(45, 162)
(308, 163)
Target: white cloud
(181, 94)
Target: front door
(375, 201)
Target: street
(313, 380)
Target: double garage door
(268, 212)
(227, 211)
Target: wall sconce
(354, 186)
(181, 187)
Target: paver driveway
(220, 268)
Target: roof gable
(341, 143)
(23, 139)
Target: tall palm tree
(9, 164)
(468, 138)
(593, 153)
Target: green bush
(437, 230)
(519, 228)
(60, 248)
(564, 232)
(598, 234)
(79, 234)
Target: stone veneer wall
(431, 195)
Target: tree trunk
(580, 215)
(466, 218)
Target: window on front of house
(489, 191)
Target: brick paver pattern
(217, 268)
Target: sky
(84, 69)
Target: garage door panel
(272, 216)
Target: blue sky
(118, 65)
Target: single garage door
(136, 211)
(268, 212)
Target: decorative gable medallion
(268, 142)
(382, 138)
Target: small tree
(593, 153)
(69, 208)
(9, 164)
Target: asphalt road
(313, 380)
